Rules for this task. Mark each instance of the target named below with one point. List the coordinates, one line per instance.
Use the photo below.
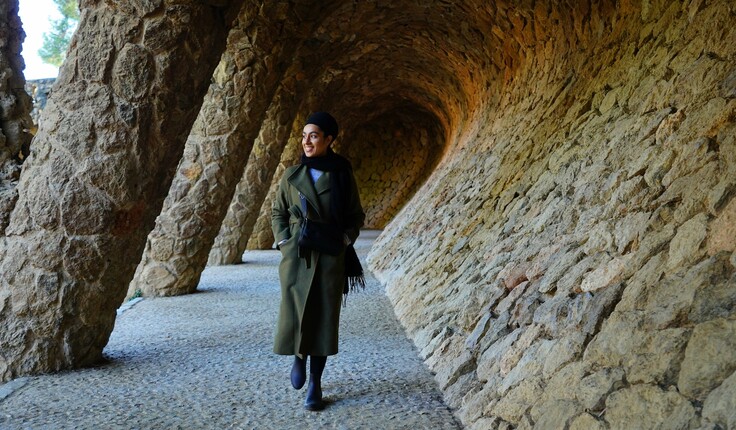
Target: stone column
(251, 192)
(15, 108)
(261, 236)
(101, 163)
(218, 149)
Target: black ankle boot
(298, 372)
(314, 395)
(314, 389)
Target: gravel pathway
(204, 361)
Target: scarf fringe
(354, 278)
(355, 282)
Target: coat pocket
(295, 214)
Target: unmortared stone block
(722, 230)
(685, 246)
(715, 296)
(720, 405)
(606, 275)
(555, 414)
(710, 357)
(586, 422)
(648, 407)
(657, 358)
(514, 405)
(595, 387)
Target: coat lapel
(323, 183)
(301, 180)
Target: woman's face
(314, 142)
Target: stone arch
(392, 154)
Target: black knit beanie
(325, 122)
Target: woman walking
(322, 188)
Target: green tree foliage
(56, 42)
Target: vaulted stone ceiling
(375, 59)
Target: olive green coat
(311, 288)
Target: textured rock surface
(15, 108)
(391, 158)
(99, 169)
(570, 263)
(262, 236)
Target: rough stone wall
(390, 163)
(100, 166)
(242, 215)
(15, 107)
(570, 264)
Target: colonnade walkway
(205, 361)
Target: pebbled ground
(204, 361)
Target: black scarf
(341, 172)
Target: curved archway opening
(392, 155)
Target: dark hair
(325, 122)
